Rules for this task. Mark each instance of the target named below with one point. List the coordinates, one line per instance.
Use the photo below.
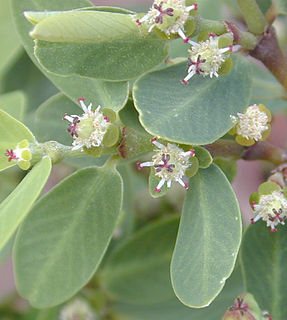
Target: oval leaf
(138, 271)
(14, 104)
(264, 259)
(12, 131)
(15, 207)
(195, 114)
(97, 44)
(208, 239)
(61, 243)
(112, 95)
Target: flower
(170, 163)
(89, 129)
(252, 126)
(77, 309)
(206, 58)
(169, 16)
(271, 208)
(22, 155)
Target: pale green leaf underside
(138, 271)
(208, 239)
(15, 207)
(109, 94)
(264, 259)
(97, 44)
(11, 132)
(62, 241)
(198, 113)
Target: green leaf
(11, 132)
(172, 309)
(137, 271)
(228, 166)
(49, 124)
(264, 259)
(14, 104)
(264, 5)
(195, 114)
(267, 90)
(208, 239)
(9, 39)
(112, 95)
(15, 207)
(61, 243)
(99, 45)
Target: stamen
(156, 143)
(159, 186)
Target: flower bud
(77, 309)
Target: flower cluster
(170, 163)
(77, 309)
(169, 16)
(206, 58)
(22, 155)
(89, 129)
(270, 205)
(252, 126)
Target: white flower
(89, 129)
(206, 57)
(252, 123)
(170, 163)
(168, 16)
(271, 208)
(77, 310)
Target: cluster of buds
(171, 164)
(269, 204)
(252, 126)
(21, 154)
(77, 310)
(245, 308)
(209, 57)
(169, 17)
(93, 128)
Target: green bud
(24, 165)
(225, 40)
(189, 27)
(203, 36)
(26, 155)
(112, 136)
(226, 66)
(268, 187)
(194, 166)
(110, 114)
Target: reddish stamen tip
(195, 6)
(212, 35)
(152, 140)
(107, 119)
(273, 230)
(10, 154)
(64, 117)
(186, 40)
(230, 48)
(252, 221)
(186, 186)
(138, 22)
(192, 152)
(81, 99)
(184, 82)
(139, 166)
(253, 203)
(157, 190)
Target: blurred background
(250, 174)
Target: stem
(253, 15)
(212, 26)
(259, 151)
(246, 39)
(270, 54)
